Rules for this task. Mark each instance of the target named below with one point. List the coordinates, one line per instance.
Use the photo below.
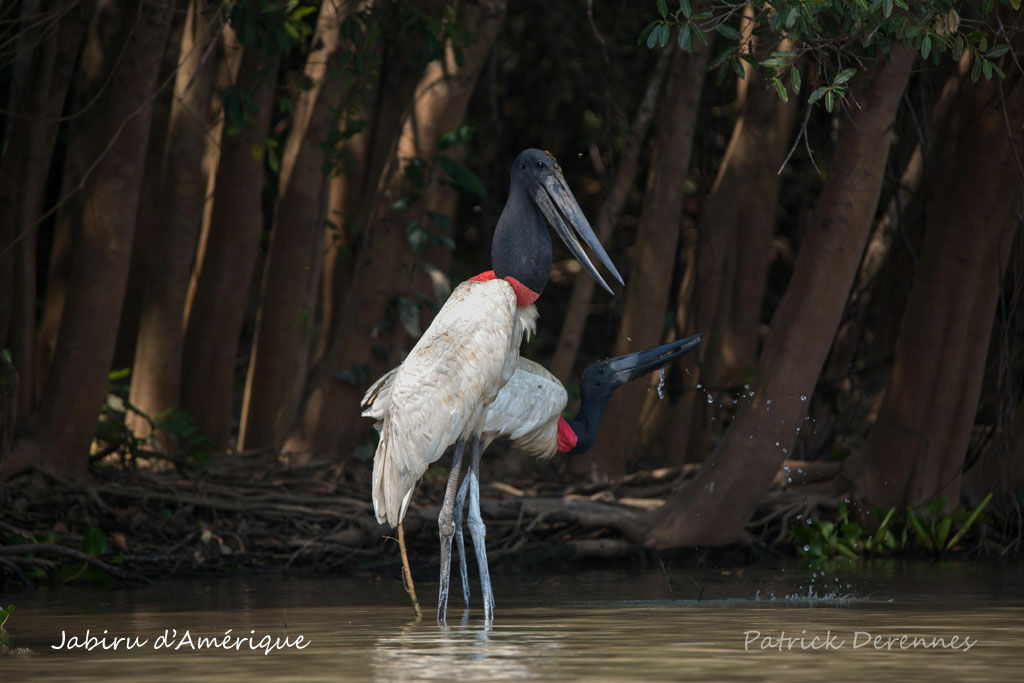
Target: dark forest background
(220, 221)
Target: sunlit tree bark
(386, 266)
(734, 244)
(625, 179)
(126, 45)
(714, 506)
(650, 272)
(229, 260)
(156, 370)
(39, 90)
(281, 346)
(918, 445)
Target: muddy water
(717, 624)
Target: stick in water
(410, 588)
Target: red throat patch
(524, 295)
(566, 437)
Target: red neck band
(524, 295)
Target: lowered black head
(601, 379)
(614, 372)
(518, 249)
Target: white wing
(441, 390)
(527, 409)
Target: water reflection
(424, 650)
(578, 626)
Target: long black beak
(631, 366)
(563, 212)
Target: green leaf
(830, 101)
(780, 89)
(926, 47)
(935, 506)
(844, 75)
(701, 36)
(887, 8)
(817, 94)
(728, 32)
(417, 235)
(652, 33)
(461, 176)
(794, 77)
(5, 614)
(997, 51)
(943, 530)
(455, 136)
(685, 38)
(684, 7)
(969, 522)
(94, 541)
(791, 17)
(663, 9)
(645, 35)
(119, 374)
(664, 33)
(958, 47)
(922, 535)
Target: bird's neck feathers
(577, 435)
(524, 295)
(521, 248)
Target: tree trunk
(156, 370)
(386, 267)
(917, 447)
(229, 262)
(734, 245)
(281, 345)
(654, 258)
(126, 43)
(583, 289)
(26, 162)
(714, 506)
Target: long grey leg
(460, 541)
(446, 528)
(477, 529)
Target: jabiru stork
(528, 411)
(439, 395)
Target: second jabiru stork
(528, 411)
(439, 395)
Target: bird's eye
(540, 164)
(522, 167)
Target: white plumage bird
(439, 395)
(528, 410)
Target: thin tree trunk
(714, 506)
(625, 177)
(34, 133)
(281, 345)
(386, 267)
(147, 223)
(65, 420)
(735, 235)
(156, 370)
(917, 447)
(654, 258)
(229, 261)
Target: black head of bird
(601, 379)
(522, 247)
